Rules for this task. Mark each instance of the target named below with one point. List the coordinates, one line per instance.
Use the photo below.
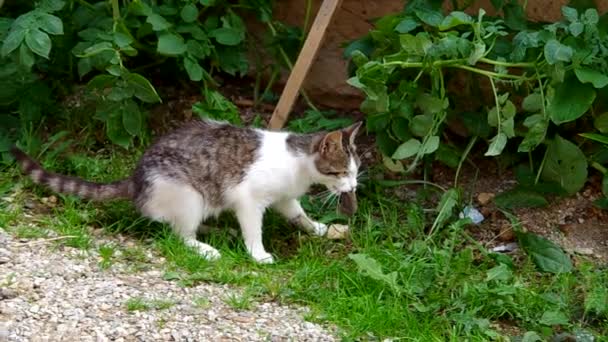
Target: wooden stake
(300, 69)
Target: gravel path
(52, 293)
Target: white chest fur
(278, 173)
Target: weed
(29, 232)
(106, 253)
(142, 304)
(201, 302)
(137, 304)
(239, 302)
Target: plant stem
(115, 14)
(599, 167)
(467, 150)
(497, 103)
(290, 66)
(453, 63)
(542, 165)
(306, 21)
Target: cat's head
(336, 161)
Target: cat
(206, 167)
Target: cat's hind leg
(183, 208)
(293, 211)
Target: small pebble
(337, 231)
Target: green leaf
(96, 49)
(368, 266)
(601, 203)
(570, 101)
(50, 23)
(114, 70)
(531, 336)
(497, 144)
(588, 75)
(392, 165)
(569, 13)
(565, 164)
(448, 155)
(227, 36)
(119, 93)
(576, 29)
(449, 201)
(406, 25)
(429, 16)
(116, 131)
(142, 88)
(601, 122)
(546, 255)
(171, 44)
(26, 57)
(101, 82)
(39, 42)
(454, 19)
(207, 2)
(605, 185)
(591, 16)
(189, 13)
(132, 119)
(421, 125)
(197, 49)
(533, 102)
(430, 104)
(194, 70)
(557, 52)
(52, 5)
(519, 198)
(596, 137)
(158, 22)
(501, 272)
(122, 40)
(430, 145)
(537, 130)
(478, 52)
(12, 41)
(551, 318)
(407, 149)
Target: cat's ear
(331, 142)
(351, 132)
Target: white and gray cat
(206, 167)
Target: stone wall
(326, 81)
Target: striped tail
(72, 185)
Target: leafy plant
(113, 45)
(555, 71)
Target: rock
(338, 231)
(485, 197)
(584, 251)
(8, 293)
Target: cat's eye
(335, 174)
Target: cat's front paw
(319, 229)
(263, 257)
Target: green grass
(390, 279)
(106, 253)
(142, 304)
